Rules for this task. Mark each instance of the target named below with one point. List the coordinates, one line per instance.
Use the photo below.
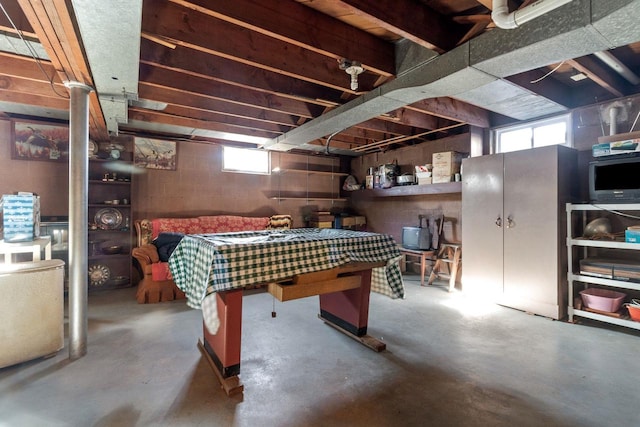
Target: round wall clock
(99, 274)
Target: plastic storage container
(602, 299)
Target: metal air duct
(474, 72)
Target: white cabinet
(578, 247)
(513, 227)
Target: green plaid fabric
(205, 263)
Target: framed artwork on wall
(155, 154)
(39, 141)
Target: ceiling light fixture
(578, 76)
(353, 68)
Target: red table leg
(348, 311)
(223, 348)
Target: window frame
(267, 153)
(563, 118)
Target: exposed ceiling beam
(302, 26)
(220, 38)
(177, 97)
(425, 27)
(454, 110)
(596, 72)
(224, 92)
(203, 65)
(53, 23)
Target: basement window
(245, 160)
(552, 131)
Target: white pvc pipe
(503, 19)
(613, 62)
(613, 117)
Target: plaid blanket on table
(206, 263)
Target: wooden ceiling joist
(53, 23)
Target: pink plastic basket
(602, 299)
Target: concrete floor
(449, 362)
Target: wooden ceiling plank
(20, 97)
(175, 97)
(26, 67)
(600, 75)
(302, 26)
(249, 123)
(53, 24)
(159, 117)
(36, 87)
(486, 3)
(17, 17)
(472, 19)
(414, 118)
(454, 110)
(475, 30)
(386, 126)
(203, 65)
(228, 93)
(426, 27)
(211, 35)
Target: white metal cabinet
(482, 213)
(513, 227)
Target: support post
(78, 216)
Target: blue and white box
(632, 234)
(20, 217)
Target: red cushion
(176, 225)
(229, 223)
(160, 271)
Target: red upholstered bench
(156, 284)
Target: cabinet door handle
(499, 221)
(510, 223)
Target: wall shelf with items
(576, 222)
(110, 232)
(411, 190)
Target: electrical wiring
(329, 140)
(33, 53)
(616, 212)
(548, 74)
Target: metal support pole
(78, 216)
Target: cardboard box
(446, 163)
(622, 143)
(425, 180)
(20, 217)
(442, 178)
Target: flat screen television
(615, 180)
(416, 238)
